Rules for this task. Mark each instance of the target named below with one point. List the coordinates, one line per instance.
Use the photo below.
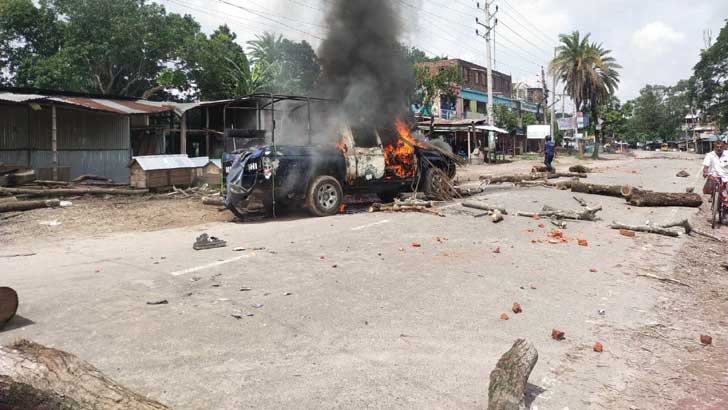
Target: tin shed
(156, 171)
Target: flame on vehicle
(399, 156)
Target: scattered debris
(496, 216)
(497, 250)
(204, 242)
(18, 255)
(588, 214)
(558, 335)
(558, 223)
(706, 340)
(237, 316)
(602, 312)
(245, 289)
(258, 305)
(287, 293)
(504, 316)
(508, 381)
(416, 245)
(517, 308)
(690, 190)
(598, 347)
(665, 280)
(593, 270)
(158, 302)
(581, 201)
(683, 174)
(627, 233)
(409, 205)
(583, 242)
(54, 222)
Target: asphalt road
(345, 313)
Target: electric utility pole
(553, 110)
(489, 25)
(545, 88)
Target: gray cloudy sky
(657, 41)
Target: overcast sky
(656, 41)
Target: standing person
(715, 165)
(549, 150)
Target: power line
(266, 17)
(500, 22)
(535, 34)
(546, 36)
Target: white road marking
(208, 266)
(359, 228)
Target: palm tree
(266, 48)
(589, 74)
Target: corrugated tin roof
(159, 162)
(96, 104)
(124, 107)
(200, 162)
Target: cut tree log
(580, 169)
(73, 191)
(21, 206)
(6, 199)
(485, 207)
(646, 229)
(8, 305)
(36, 377)
(51, 183)
(588, 214)
(214, 201)
(641, 198)
(595, 189)
(561, 185)
(508, 381)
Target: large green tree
(589, 73)
(123, 47)
(659, 112)
(710, 82)
(443, 83)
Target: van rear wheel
(437, 185)
(325, 196)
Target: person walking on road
(549, 150)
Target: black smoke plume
(363, 65)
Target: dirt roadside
(676, 371)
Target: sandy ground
(345, 313)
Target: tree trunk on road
(507, 390)
(594, 189)
(642, 198)
(27, 206)
(36, 377)
(72, 191)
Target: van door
(364, 154)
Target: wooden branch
(20, 206)
(484, 207)
(645, 229)
(72, 191)
(581, 201)
(517, 178)
(588, 214)
(689, 229)
(93, 178)
(666, 280)
(33, 376)
(580, 169)
(213, 201)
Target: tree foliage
(709, 84)
(444, 83)
(293, 67)
(123, 47)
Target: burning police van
(289, 151)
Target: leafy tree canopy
(709, 85)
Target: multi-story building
(472, 97)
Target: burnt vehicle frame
(260, 170)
